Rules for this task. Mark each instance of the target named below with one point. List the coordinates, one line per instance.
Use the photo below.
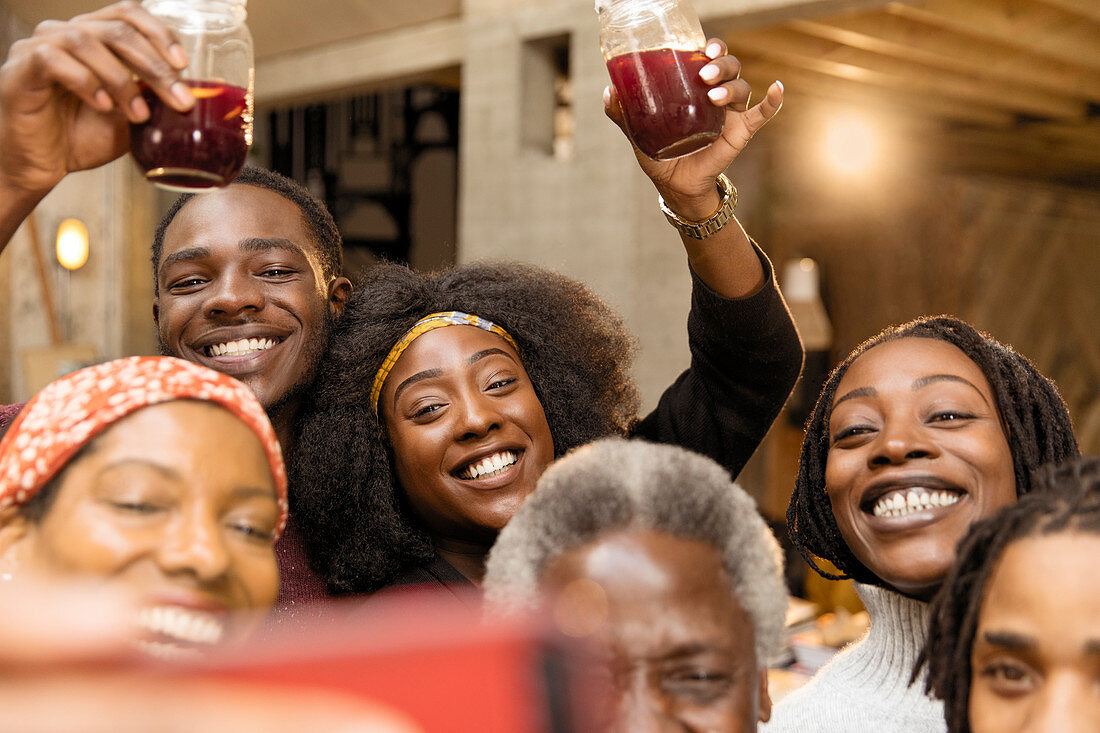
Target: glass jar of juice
(654, 50)
(207, 146)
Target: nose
(231, 293)
(1066, 705)
(476, 415)
(901, 439)
(644, 709)
(194, 544)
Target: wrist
(693, 206)
(708, 215)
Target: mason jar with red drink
(654, 51)
(205, 147)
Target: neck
(284, 418)
(466, 557)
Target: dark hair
(1064, 498)
(1036, 421)
(575, 349)
(316, 218)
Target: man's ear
(765, 702)
(15, 532)
(156, 312)
(339, 290)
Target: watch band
(713, 223)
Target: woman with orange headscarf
(163, 478)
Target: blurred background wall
(935, 156)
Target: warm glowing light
(851, 144)
(72, 244)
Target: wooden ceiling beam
(847, 94)
(1020, 23)
(944, 49)
(1085, 8)
(829, 58)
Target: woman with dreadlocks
(444, 397)
(920, 432)
(1015, 634)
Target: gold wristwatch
(709, 226)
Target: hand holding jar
(680, 100)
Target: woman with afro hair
(444, 396)
(922, 431)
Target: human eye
(699, 682)
(278, 271)
(135, 506)
(499, 383)
(186, 284)
(850, 435)
(1009, 677)
(951, 416)
(424, 411)
(252, 530)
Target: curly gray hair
(617, 484)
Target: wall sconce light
(72, 244)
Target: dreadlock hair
(1036, 421)
(315, 217)
(360, 533)
(1064, 498)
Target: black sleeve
(745, 358)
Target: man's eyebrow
(185, 255)
(487, 352)
(860, 392)
(1092, 646)
(923, 382)
(418, 377)
(1010, 640)
(263, 244)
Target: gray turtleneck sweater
(865, 688)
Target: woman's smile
(917, 454)
(468, 433)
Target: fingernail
(714, 50)
(140, 109)
(780, 85)
(607, 96)
(178, 56)
(103, 101)
(182, 94)
(709, 72)
(717, 94)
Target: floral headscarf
(70, 412)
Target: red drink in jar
(665, 102)
(196, 150)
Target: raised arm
(726, 260)
(745, 351)
(68, 93)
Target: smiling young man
(248, 282)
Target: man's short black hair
(316, 217)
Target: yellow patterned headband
(421, 327)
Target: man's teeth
(490, 465)
(240, 347)
(900, 503)
(172, 623)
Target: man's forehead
(244, 218)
